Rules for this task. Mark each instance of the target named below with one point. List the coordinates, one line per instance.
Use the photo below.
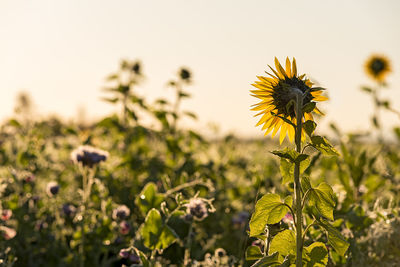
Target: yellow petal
(288, 68)
(294, 68)
(279, 68)
(276, 73)
(320, 98)
(277, 126)
(283, 132)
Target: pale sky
(61, 51)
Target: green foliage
(270, 209)
(149, 198)
(320, 197)
(284, 243)
(156, 234)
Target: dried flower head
(197, 208)
(88, 156)
(121, 212)
(220, 252)
(377, 67)
(277, 93)
(52, 188)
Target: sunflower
(377, 67)
(276, 93)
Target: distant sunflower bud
(184, 74)
(88, 156)
(136, 68)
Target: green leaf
(149, 198)
(335, 238)
(316, 255)
(309, 107)
(323, 145)
(287, 169)
(366, 89)
(320, 197)
(253, 253)
(284, 243)
(309, 126)
(270, 260)
(269, 210)
(155, 234)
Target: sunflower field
(121, 191)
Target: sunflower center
(377, 66)
(285, 91)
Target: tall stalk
(297, 188)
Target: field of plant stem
(118, 193)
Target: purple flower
(52, 189)
(69, 210)
(241, 218)
(124, 253)
(121, 212)
(124, 227)
(30, 178)
(88, 156)
(6, 214)
(8, 233)
(288, 218)
(197, 208)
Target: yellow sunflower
(377, 67)
(276, 92)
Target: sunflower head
(377, 67)
(277, 94)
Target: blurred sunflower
(377, 67)
(276, 92)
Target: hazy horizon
(61, 52)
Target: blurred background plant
(138, 207)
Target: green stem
(297, 186)
(186, 261)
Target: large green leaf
(323, 145)
(290, 154)
(269, 210)
(149, 198)
(155, 234)
(321, 197)
(316, 255)
(253, 253)
(270, 260)
(335, 238)
(284, 243)
(287, 169)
